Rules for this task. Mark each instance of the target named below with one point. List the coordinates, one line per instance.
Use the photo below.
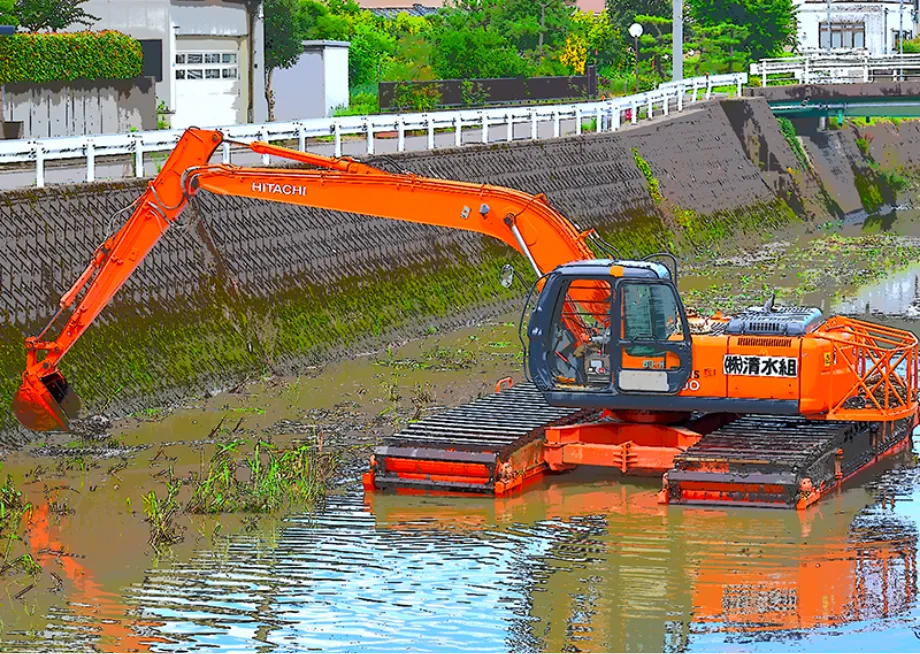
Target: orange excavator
(774, 405)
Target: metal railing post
(696, 88)
(337, 136)
(578, 121)
(708, 88)
(369, 126)
(665, 101)
(634, 113)
(39, 163)
(680, 98)
(138, 155)
(556, 128)
(458, 131)
(430, 131)
(763, 73)
(738, 85)
(651, 107)
(599, 113)
(400, 134)
(90, 152)
(225, 155)
(301, 138)
(534, 130)
(263, 136)
(510, 135)
(485, 127)
(865, 69)
(615, 112)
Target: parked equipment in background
(774, 406)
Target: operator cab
(609, 328)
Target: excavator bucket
(46, 404)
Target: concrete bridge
(860, 100)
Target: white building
(206, 55)
(871, 25)
(316, 85)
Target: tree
(719, 46)
(53, 15)
(770, 24)
(464, 49)
(622, 13)
(8, 12)
(531, 25)
(282, 44)
(656, 40)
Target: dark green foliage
(282, 44)
(623, 12)
(8, 13)
(771, 24)
(79, 55)
(464, 51)
(52, 15)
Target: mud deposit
(577, 562)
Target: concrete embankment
(245, 287)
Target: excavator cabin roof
(615, 268)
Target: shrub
(80, 55)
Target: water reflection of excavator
(697, 570)
(770, 406)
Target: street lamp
(635, 31)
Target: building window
(897, 38)
(843, 35)
(206, 65)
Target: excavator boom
(526, 223)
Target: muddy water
(577, 562)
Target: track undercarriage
(497, 443)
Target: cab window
(579, 358)
(650, 314)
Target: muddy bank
(244, 288)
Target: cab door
(652, 351)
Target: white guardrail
(608, 114)
(837, 68)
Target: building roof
(416, 9)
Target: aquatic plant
(264, 480)
(161, 514)
(13, 511)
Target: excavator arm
(525, 222)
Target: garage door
(208, 88)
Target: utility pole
(677, 41)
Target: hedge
(69, 56)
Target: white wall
(880, 18)
(315, 85)
(336, 78)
